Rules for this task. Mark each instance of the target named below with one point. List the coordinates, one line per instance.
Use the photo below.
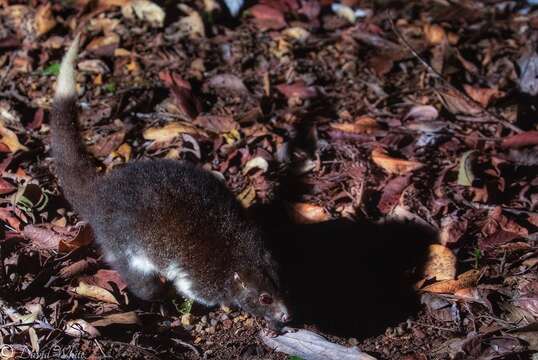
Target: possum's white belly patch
(140, 262)
(182, 282)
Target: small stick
(494, 117)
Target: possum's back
(165, 206)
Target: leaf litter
(423, 112)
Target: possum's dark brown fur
(165, 218)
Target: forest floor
(392, 158)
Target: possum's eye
(266, 299)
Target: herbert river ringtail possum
(165, 218)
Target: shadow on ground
(348, 278)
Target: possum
(156, 219)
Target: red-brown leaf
(520, 140)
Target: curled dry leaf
(393, 165)
(44, 19)
(127, 318)
(104, 45)
(106, 279)
(297, 33)
(105, 145)
(6, 187)
(465, 280)
(93, 66)
(256, 163)
(297, 90)
(216, 124)
(247, 196)
(77, 268)
(170, 131)
(304, 213)
(81, 328)
(452, 229)
(392, 192)
(182, 93)
(458, 104)
(483, 96)
(228, 82)
(441, 263)
(267, 18)
(435, 34)
(10, 139)
(146, 11)
(362, 125)
(422, 113)
(96, 293)
(54, 237)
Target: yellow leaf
(297, 33)
(96, 293)
(465, 280)
(362, 125)
(393, 165)
(435, 34)
(441, 263)
(247, 196)
(304, 213)
(170, 131)
(44, 19)
(9, 138)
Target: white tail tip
(66, 84)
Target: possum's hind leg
(142, 280)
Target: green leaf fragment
(110, 87)
(52, 69)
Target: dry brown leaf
(304, 213)
(435, 34)
(76, 268)
(127, 318)
(170, 131)
(81, 236)
(44, 19)
(528, 138)
(361, 125)
(10, 139)
(394, 165)
(483, 96)
(456, 103)
(465, 280)
(96, 293)
(267, 18)
(104, 45)
(441, 263)
(106, 279)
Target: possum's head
(258, 292)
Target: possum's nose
(286, 318)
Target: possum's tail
(73, 164)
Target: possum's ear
(239, 281)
